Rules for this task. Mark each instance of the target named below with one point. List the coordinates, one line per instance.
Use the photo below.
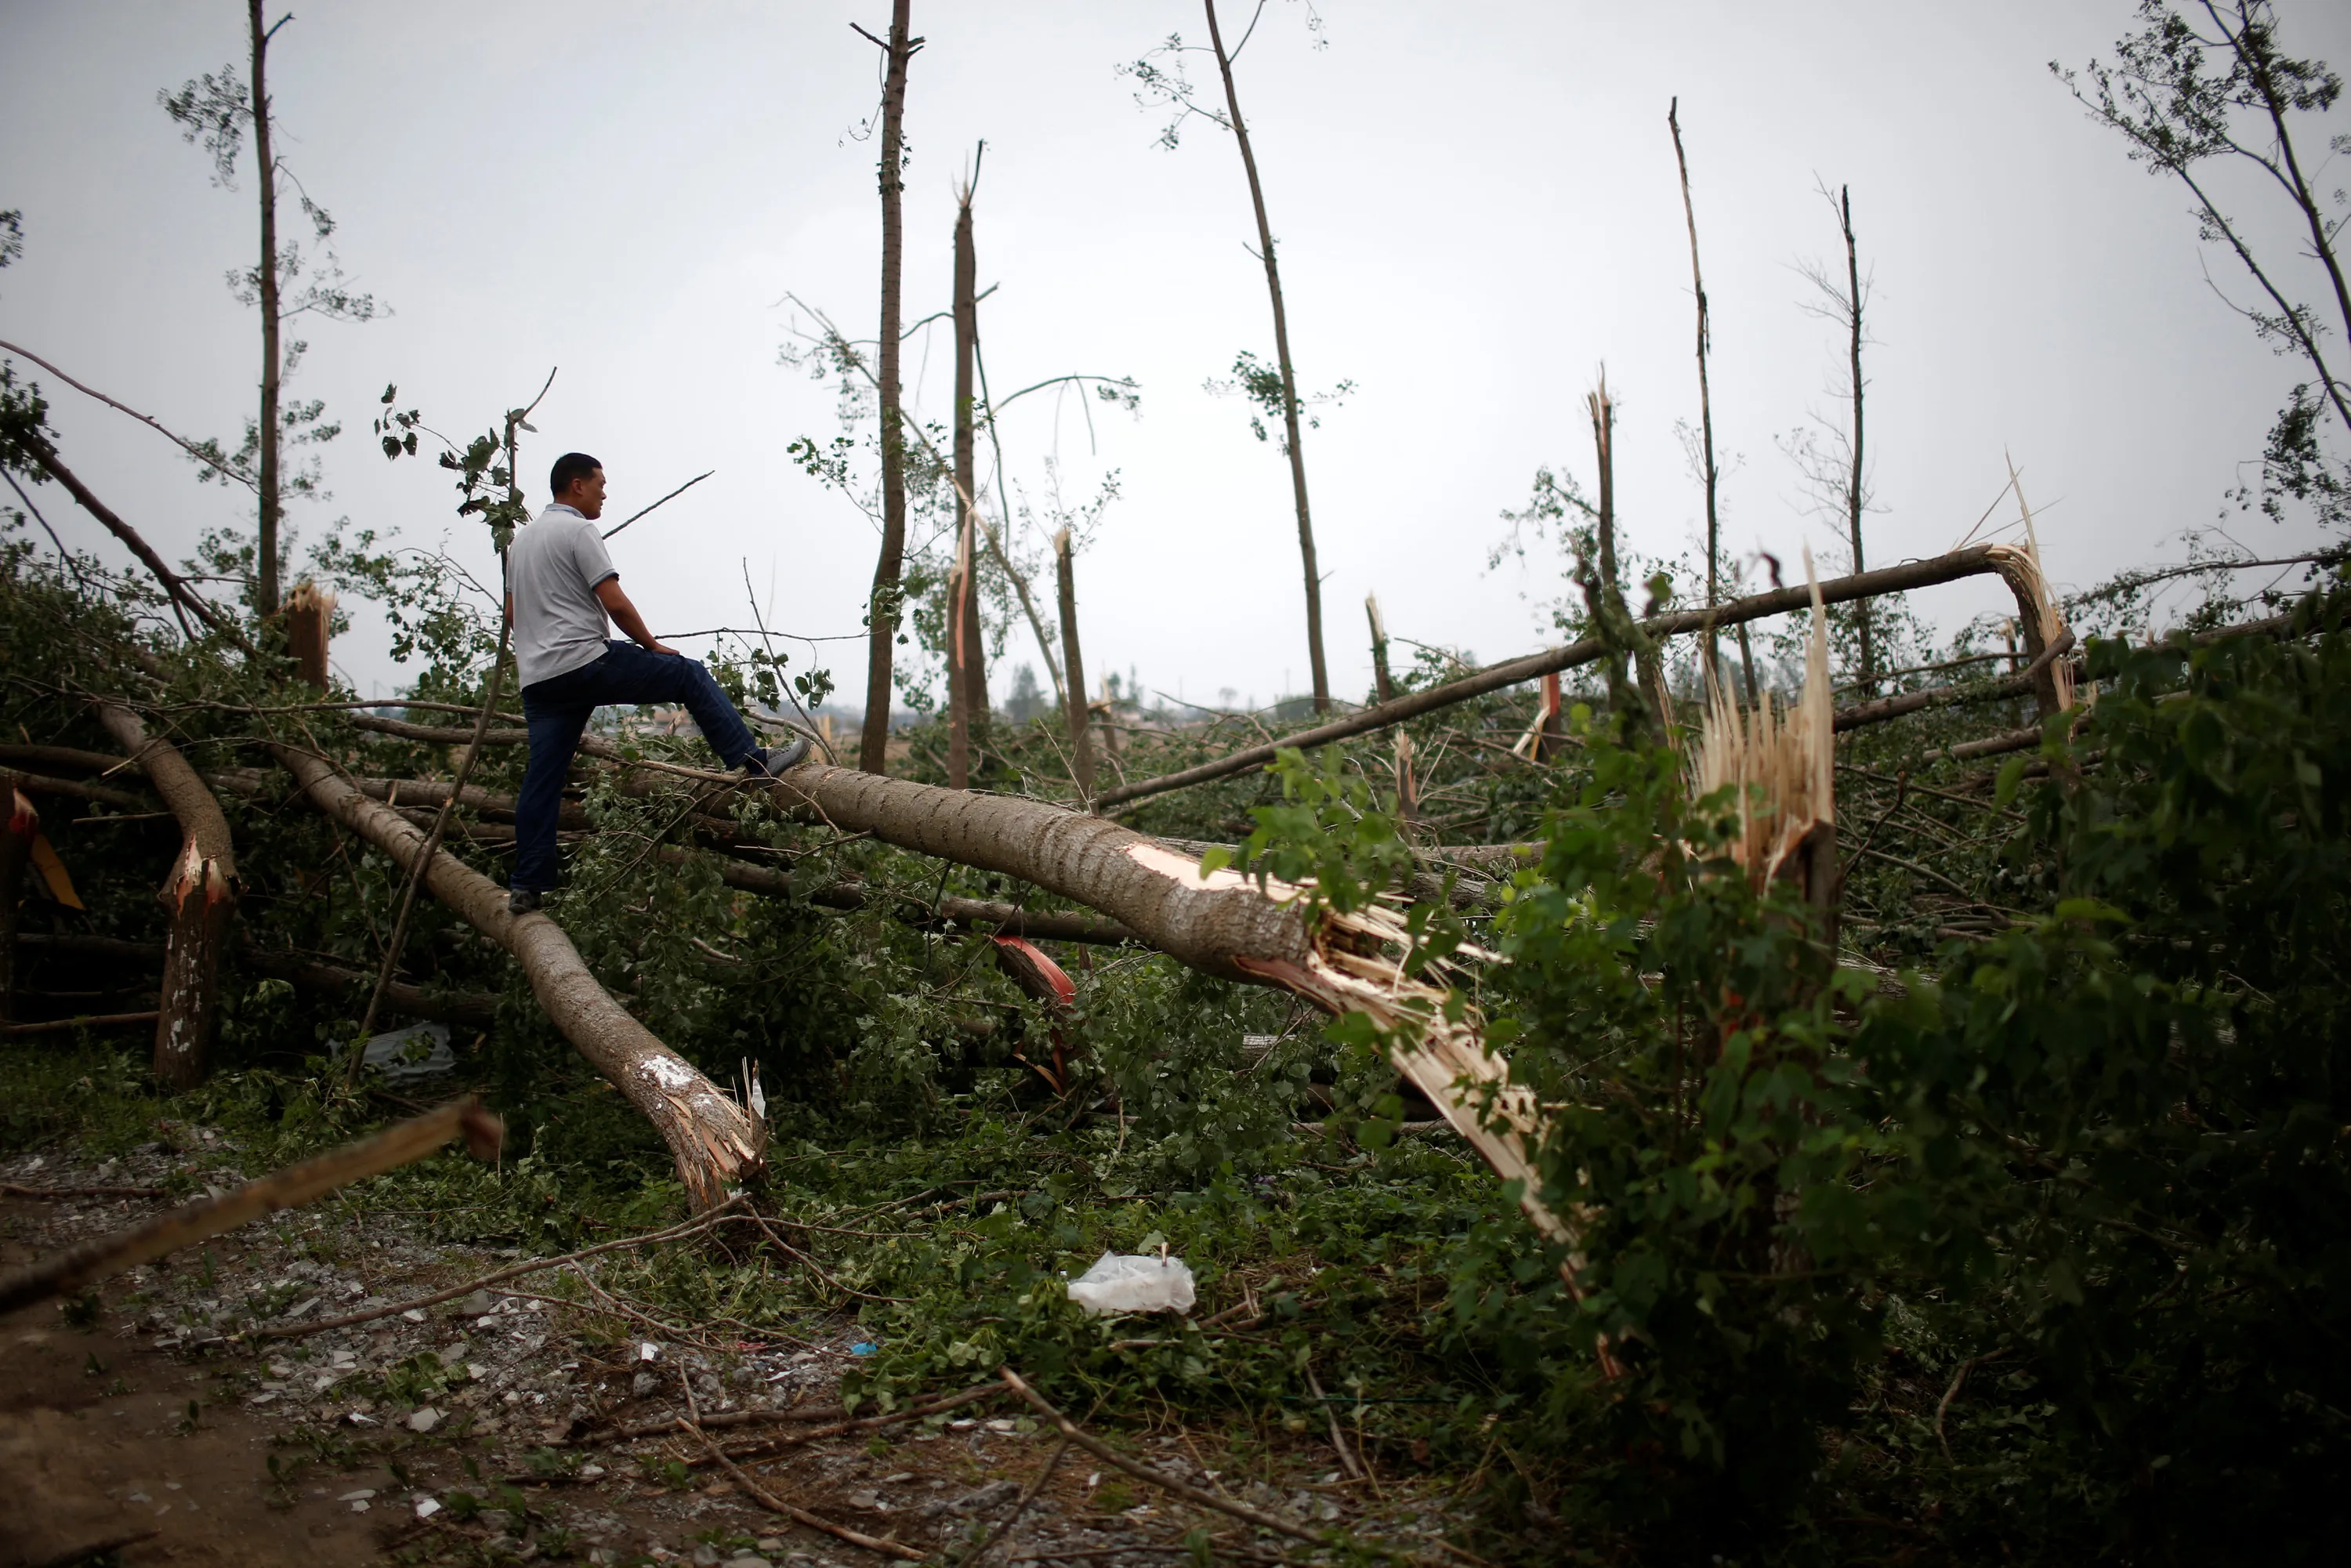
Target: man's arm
(624, 615)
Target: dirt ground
(483, 1430)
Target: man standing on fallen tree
(560, 586)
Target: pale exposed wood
(714, 1141)
(1082, 751)
(200, 897)
(309, 616)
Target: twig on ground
(796, 1513)
(1338, 1439)
(811, 1265)
(777, 1445)
(1021, 1507)
(1141, 1472)
(1959, 1379)
(533, 1266)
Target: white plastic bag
(1126, 1282)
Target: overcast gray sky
(1476, 204)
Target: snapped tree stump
(200, 895)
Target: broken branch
(102, 1257)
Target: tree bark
(1289, 376)
(264, 562)
(201, 898)
(968, 642)
(1082, 754)
(714, 1141)
(1973, 561)
(1855, 499)
(1381, 682)
(874, 741)
(1706, 427)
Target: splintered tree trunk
(967, 624)
(201, 898)
(1082, 752)
(873, 742)
(1222, 923)
(715, 1142)
(309, 615)
(1289, 375)
(1382, 681)
(265, 159)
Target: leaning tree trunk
(715, 1142)
(200, 897)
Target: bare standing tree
(882, 609)
(1171, 85)
(1709, 469)
(218, 108)
(1832, 459)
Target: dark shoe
(773, 761)
(523, 901)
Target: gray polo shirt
(552, 570)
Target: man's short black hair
(571, 466)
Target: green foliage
(2103, 1147)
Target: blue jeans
(558, 709)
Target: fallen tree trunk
(714, 1141)
(1222, 923)
(98, 794)
(475, 1010)
(59, 757)
(2007, 563)
(200, 897)
(946, 912)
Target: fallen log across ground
(715, 1142)
(201, 898)
(85, 1264)
(2013, 566)
(1222, 923)
(476, 1010)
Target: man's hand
(624, 615)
